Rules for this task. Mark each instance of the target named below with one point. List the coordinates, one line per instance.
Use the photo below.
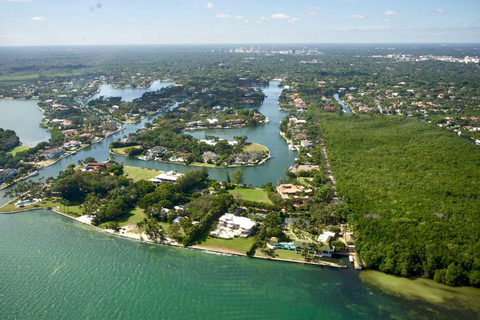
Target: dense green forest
(413, 193)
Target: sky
(120, 22)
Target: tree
(237, 177)
(152, 228)
(174, 231)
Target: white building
(170, 177)
(230, 226)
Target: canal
(266, 134)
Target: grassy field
(252, 194)
(17, 149)
(71, 210)
(137, 173)
(254, 147)
(120, 151)
(466, 298)
(134, 217)
(240, 245)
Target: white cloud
(246, 21)
(279, 16)
(390, 13)
(210, 5)
(129, 19)
(313, 8)
(38, 19)
(238, 17)
(440, 10)
(202, 34)
(264, 18)
(293, 20)
(356, 16)
(222, 15)
(311, 13)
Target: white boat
(267, 120)
(291, 147)
(35, 173)
(350, 258)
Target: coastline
(173, 243)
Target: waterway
(24, 117)
(267, 134)
(344, 107)
(56, 268)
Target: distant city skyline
(109, 22)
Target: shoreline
(61, 158)
(203, 164)
(172, 243)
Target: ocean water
(55, 268)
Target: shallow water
(53, 267)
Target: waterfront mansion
(230, 226)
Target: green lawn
(137, 173)
(70, 210)
(252, 147)
(252, 194)
(240, 245)
(17, 149)
(135, 216)
(284, 254)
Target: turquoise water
(55, 268)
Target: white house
(170, 177)
(230, 226)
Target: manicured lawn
(121, 151)
(70, 210)
(252, 194)
(137, 173)
(285, 254)
(134, 217)
(240, 245)
(17, 149)
(254, 147)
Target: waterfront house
(53, 153)
(209, 155)
(304, 167)
(72, 144)
(129, 139)
(230, 226)
(169, 177)
(326, 238)
(156, 150)
(6, 174)
(96, 167)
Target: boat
(35, 173)
(267, 120)
(350, 258)
(291, 147)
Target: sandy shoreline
(172, 243)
